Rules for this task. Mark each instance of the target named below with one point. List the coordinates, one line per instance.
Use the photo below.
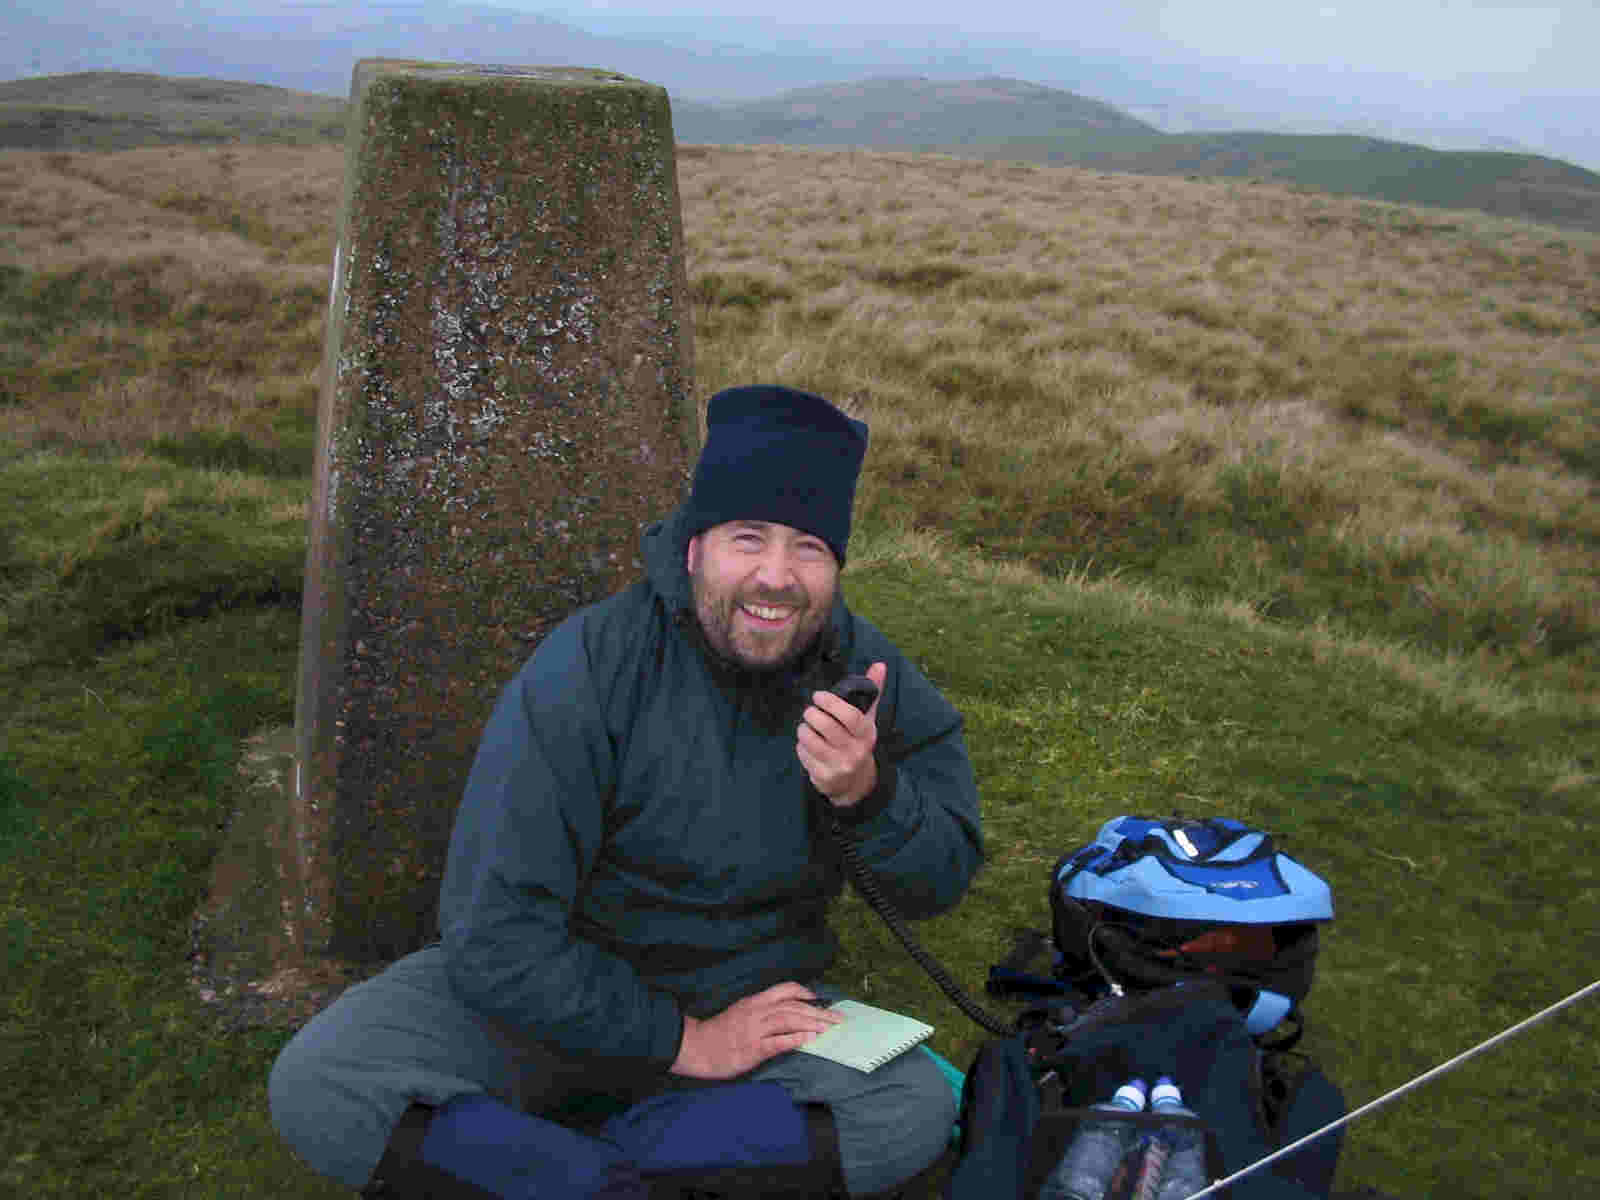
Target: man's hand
(750, 1031)
(835, 743)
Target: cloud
(1547, 45)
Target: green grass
(104, 551)
(1451, 833)
(116, 778)
(1453, 840)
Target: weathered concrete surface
(245, 957)
(506, 401)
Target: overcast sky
(1543, 47)
(1451, 73)
(1457, 74)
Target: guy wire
(1374, 1105)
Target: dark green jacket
(638, 840)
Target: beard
(739, 639)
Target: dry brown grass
(241, 207)
(178, 296)
(1414, 391)
(1189, 379)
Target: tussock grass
(1456, 684)
(115, 354)
(132, 321)
(1189, 494)
(1318, 406)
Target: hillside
(119, 110)
(1525, 186)
(1009, 119)
(988, 118)
(904, 113)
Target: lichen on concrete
(506, 402)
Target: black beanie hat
(777, 454)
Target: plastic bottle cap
(1166, 1092)
(1131, 1095)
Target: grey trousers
(340, 1086)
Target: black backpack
(1181, 948)
(1025, 1096)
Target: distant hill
(891, 113)
(991, 118)
(1524, 186)
(1006, 118)
(117, 110)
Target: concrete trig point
(505, 403)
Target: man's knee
(930, 1113)
(327, 1122)
(890, 1132)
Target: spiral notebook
(868, 1037)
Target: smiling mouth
(767, 614)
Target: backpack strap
(1268, 1012)
(999, 1110)
(1015, 975)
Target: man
(634, 904)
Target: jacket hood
(664, 546)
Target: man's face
(762, 591)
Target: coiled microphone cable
(861, 692)
(866, 883)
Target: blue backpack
(1156, 901)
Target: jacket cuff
(665, 1052)
(875, 801)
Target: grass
(1189, 495)
(1255, 394)
(1407, 796)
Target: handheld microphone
(857, 689)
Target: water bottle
(1152, 1166)
(1184, 1172)
(1086, 1169)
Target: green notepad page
(868, 1037)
